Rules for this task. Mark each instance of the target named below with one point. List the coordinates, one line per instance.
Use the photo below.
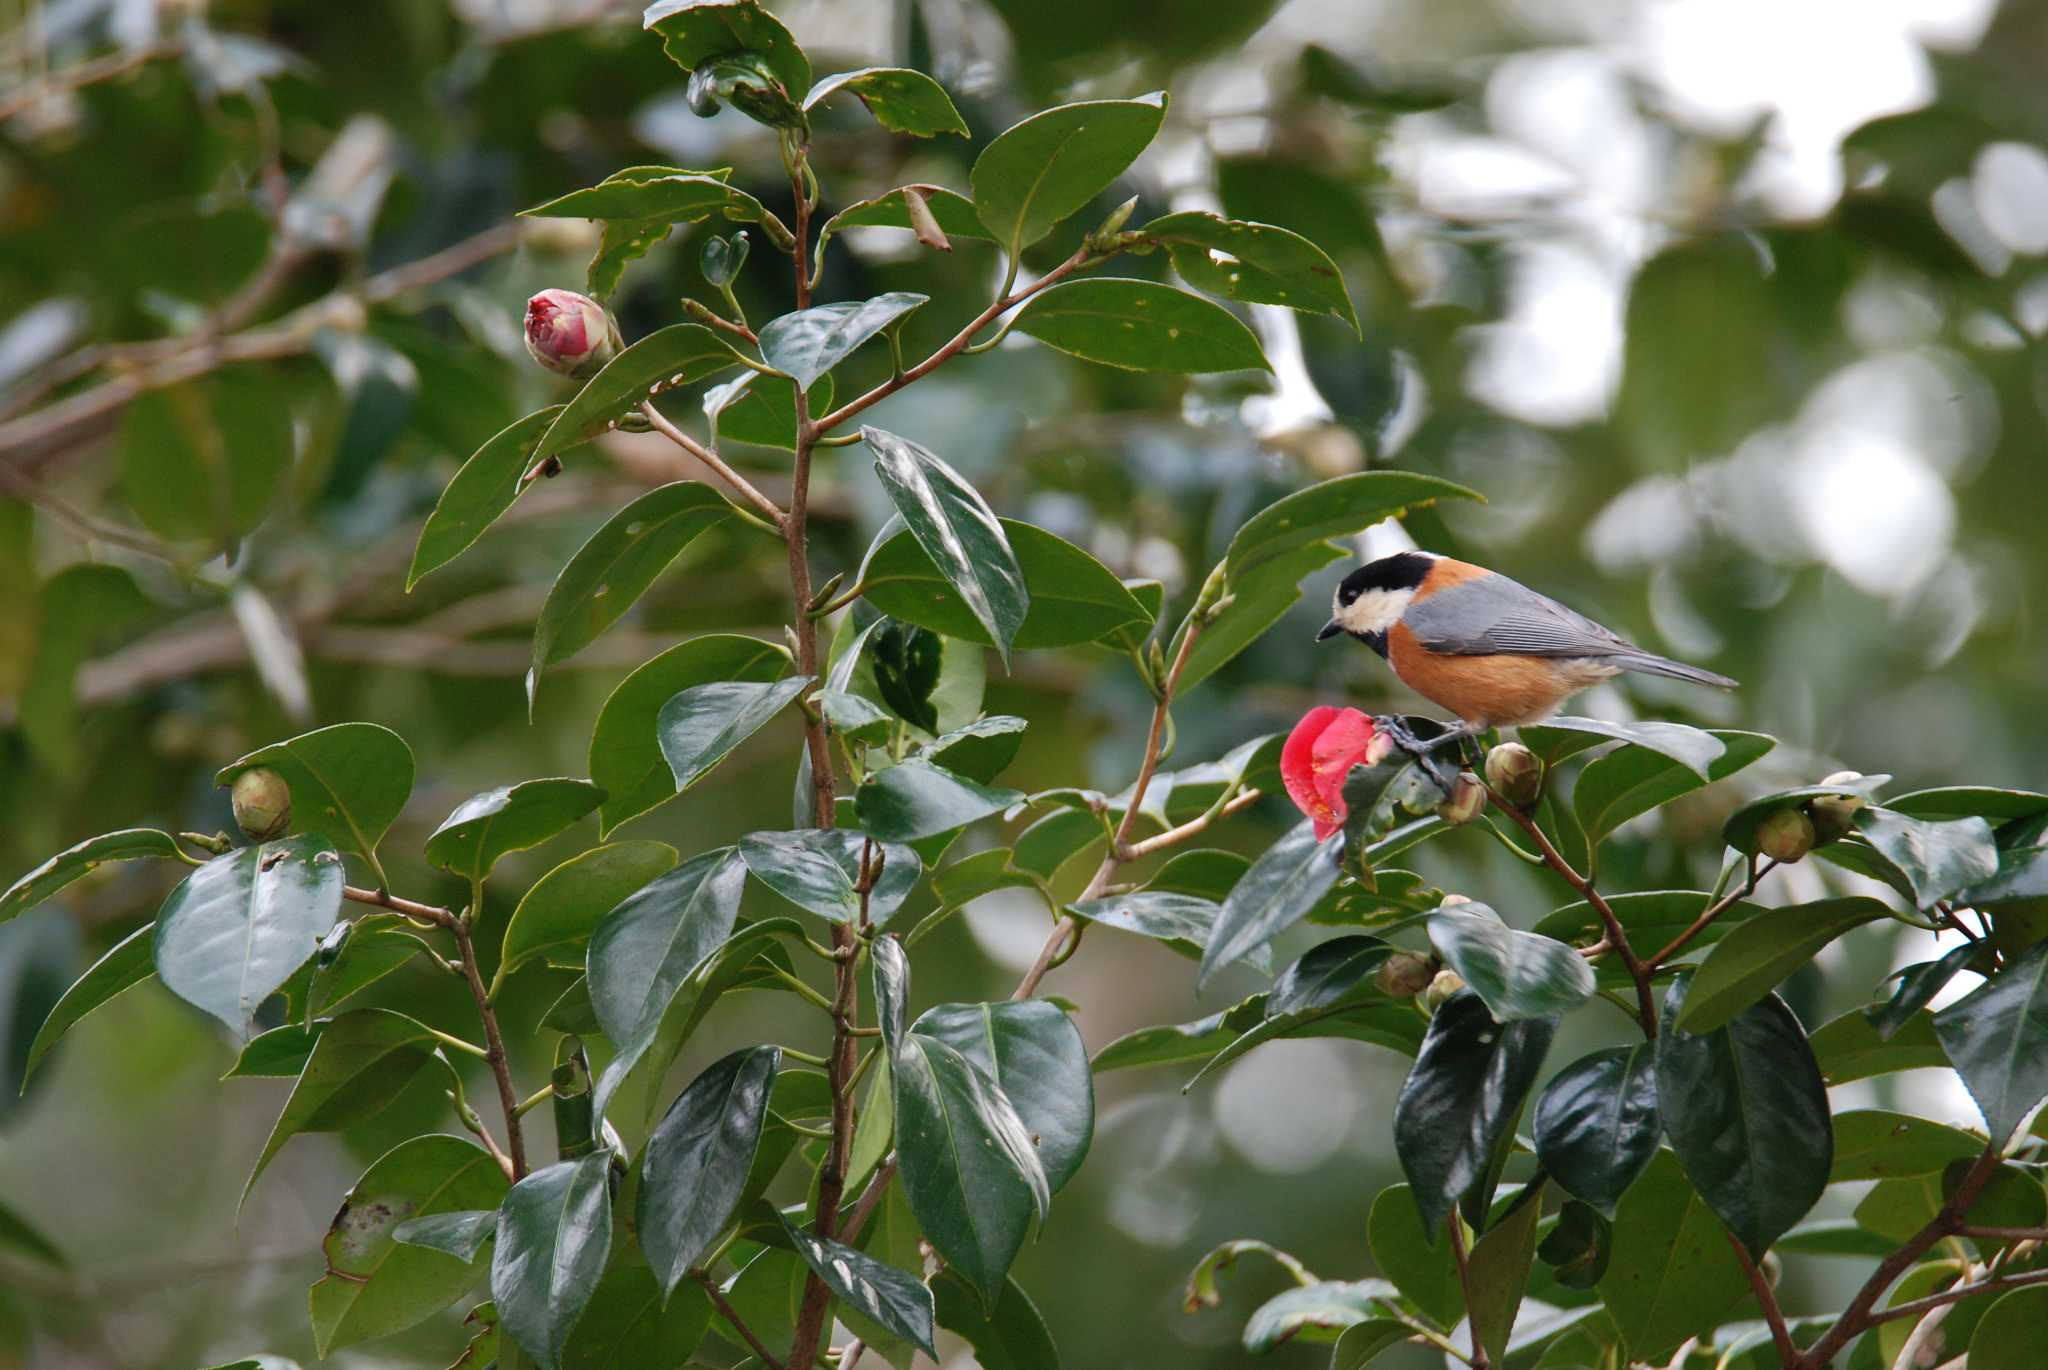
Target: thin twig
(1480, 1360)
(1714, 910)
(864, 1207)
(1767, 1299)
(734, 1320)
(1914, 1307)
(711, 459)
(1173, 837)
(111, 67)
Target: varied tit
(1490, 650)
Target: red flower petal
(1319, 753)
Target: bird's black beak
(1329, 630)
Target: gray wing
(1496, 615)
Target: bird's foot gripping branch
(878, 1163)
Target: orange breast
(1494, 691)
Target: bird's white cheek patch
(1375, 611)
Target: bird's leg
(1424, 750)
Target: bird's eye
(1347, 596)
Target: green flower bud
(263, 803)
(1516, 773)
(1442, 987)
(1405, 974)
(1468, 798)
(1786, 836)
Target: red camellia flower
(1320, 752)
(570, 333)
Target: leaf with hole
(1252, 263)
(235, 930)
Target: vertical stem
(1479, 1360)
(494, 1043)
(1767, 1299)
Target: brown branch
(1173, 837)
(715, 462)
(1480, 1360)
(735, 1321)
(1915, 1307)
(871, 1197)
(1713, 911)
(1767, 1299)
(111, 67)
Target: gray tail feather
(1651, 664)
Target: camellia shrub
(1635, 1206)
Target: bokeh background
(1734, 311)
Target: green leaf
(558, 912)
(627, 1325)
(1937, 858)
(1896, 1209)
(1747, 1112)
(1739, 831)
(1360, 1013)
(1632, 780)
(554, 1229)
(698, 1158)
(1253, 263)
(917, 799)
(818, 869)
(1518, 974)
(1970, 801)
(639, 206)
(1996, 1037)
(1578, 1248)
(480, 492)
(203, 460)
(460, 1233)
(1332, 974)
(680, 354)
(508, 819)
(363, 1059)
(1073, 597)
(807, 344)
(1835, 1237)
(1597, 1124)
(75, 609)
(1362, 1342)
(2008, 1336)
(615, 567)
(377, 945)
(1650, 917)
(1422, 1268)
(1747, 963)
(1693, 748)
(1175, 1043)
(1318, 1312)
(1034, 1054)
(1672, 1276)
(757, 409)
(280, 1053)
(236, 929)
(958, 531)
(1499, 1271)
(894, 1298)
(699, 727)
(1182, 921)
(1329, 509)
(1918, 984)
(1849, 1047)
(1465, 1092)
(1140, 326)
(625, 753)
(693, 30)
(1259, 598)
(646, 947)
(980, 751)
(127, 963)
(1011, 1335)
(1275, 894)
(1874, 1144)
(349, 782)
(376, 1285)
(1052, 164)
(969, 1168)
(901, 101)
(74, 863)
(953, 212)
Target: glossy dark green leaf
(1337, 972)
(1835, 1237)
(510, 818)
(917, 799)
(1275, 894)
(1333, 508)
(554, 1229)
(377, 945)
(855, 718)
(761, 410)
(1358, 1012)
(677, 355)
(958, 532)
(969, 1167)
(1998, 806)
(1034, 1055)
(1739, 831)
(1052, 164)
(1597, 1123)
(1073, 597)
(1252, 263)
(1141, 326)
(693, 30)
(1465, 1091)
(76, 862)
(1632, 780)
(1423, 1269)
(1673, 1275)
(1918, 985)
(235, 930)
(559, 911)
(818, 869)
(1498, 1272)
(615, 567)
(1557, 738)
(980, 751)
(1259, 598)
(362, 1060)
(1747, 963)
(1997, 1036)
(1849, 1047)
(1318, 1312)
(901, 101)
(1518, 974)
(953, 212)
(1651, 918)
(1875, 1144)
(810, 342)
(1579, 1247)
(1011, 1335)
(894, 1298)
(375, 1284)
(478, 494)
(628, 1325)
(1936, 857)
(1175, 1043)
(697, 1160)
(700, 726)
(645, 948)
(2008, 1336)
(625, 750)
(349, 782)
(1747, 1112)
(127, 963)
(652, 195)
(1362, 1342)
(460, 1233)
(280, 1053)
(1896, 1209)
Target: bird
(1488, 649)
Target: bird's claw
(1424, 751)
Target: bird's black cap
(1401, 571)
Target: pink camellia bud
(1320, 753)
(570, 333)
(1467, 799)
